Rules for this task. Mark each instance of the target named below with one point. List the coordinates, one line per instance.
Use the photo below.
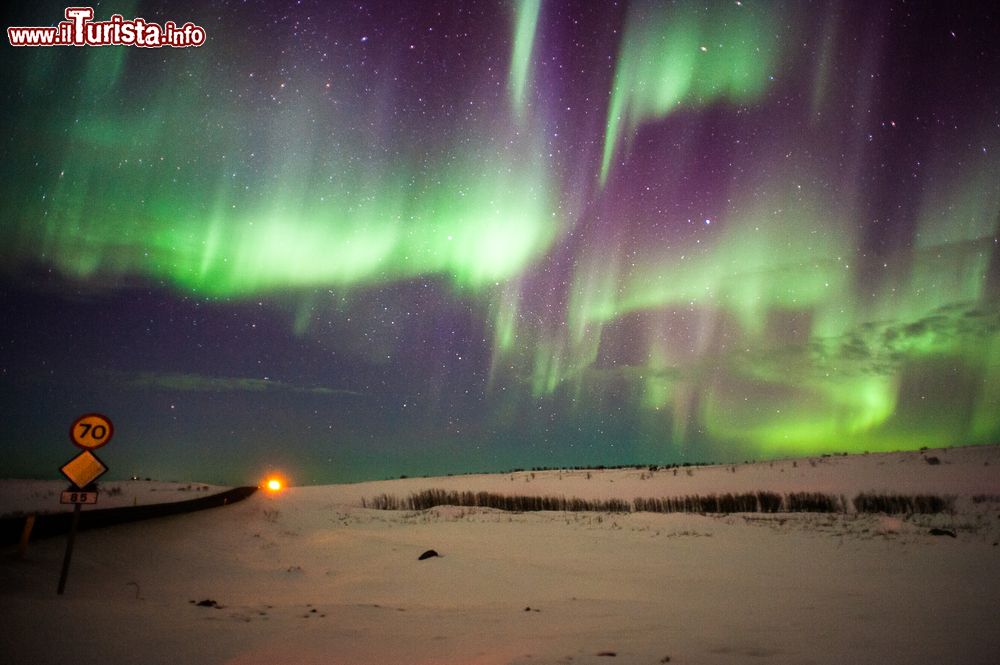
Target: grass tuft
(747, 502)
(894, 504)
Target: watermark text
(79, 29)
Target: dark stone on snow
(943, 532)
(427, 555)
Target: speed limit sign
(91, 430)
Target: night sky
(350, 240)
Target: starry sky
(352, 240)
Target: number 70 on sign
(91, 430)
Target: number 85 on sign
(91, 430)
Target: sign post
(89, 431)
(69, 550)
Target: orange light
(274, 485)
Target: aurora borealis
(356, 240)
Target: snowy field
(309, 576)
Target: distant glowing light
(274, 485)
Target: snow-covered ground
(308, 576)
(964, 472)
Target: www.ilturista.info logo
(80, 30)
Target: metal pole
(69, 549)
(22, 548)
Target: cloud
(200, 383)
(954, 330)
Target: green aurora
(807, 300)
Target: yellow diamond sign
(84, 469)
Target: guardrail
(54, 524)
